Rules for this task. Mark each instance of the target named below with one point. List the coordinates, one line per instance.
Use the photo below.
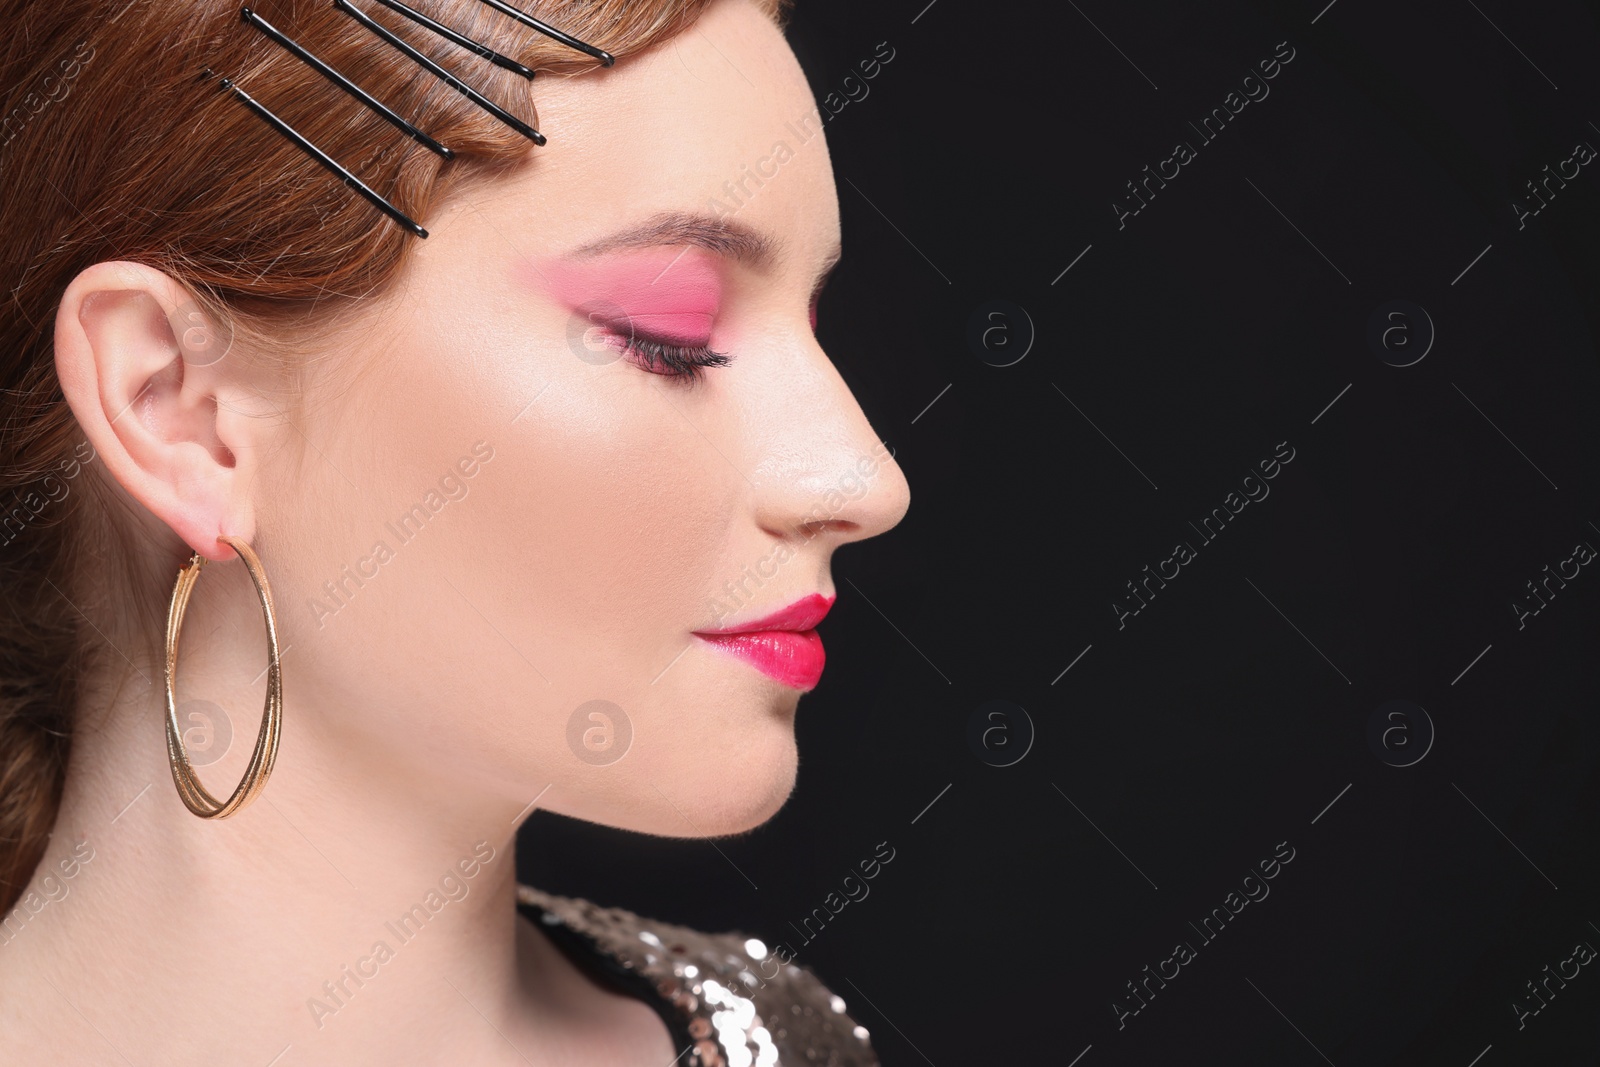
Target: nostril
(808, 530)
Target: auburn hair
(113, 146)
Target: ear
(169, 417)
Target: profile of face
(589, 435)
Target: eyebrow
(725, 237)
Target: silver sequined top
(717, 998)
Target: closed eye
(682, 363)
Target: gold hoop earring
(195, 796)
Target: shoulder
(736, 1002)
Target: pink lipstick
(784, 645)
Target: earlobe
(149, 411)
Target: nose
(822, 472)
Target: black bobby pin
(320, 156)
(248, 16)
(444, 75)
(605, 58)
(451, 35)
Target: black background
(1225, 717)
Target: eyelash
(680, 363)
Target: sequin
(717, 1007)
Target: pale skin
(429, 711)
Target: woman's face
(541, 492)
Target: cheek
(622, 515)
(590, 541)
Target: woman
(545, 502)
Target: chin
(719, 791)
(726, 768)
(734, 793)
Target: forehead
(718, 120)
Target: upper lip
(803, 614)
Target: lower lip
(794, 658)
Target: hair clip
(444, 75)
(605, 58)
(249, 17)
(319, 155)
(455, 38)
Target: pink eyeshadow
(669, 294)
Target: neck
(345, 898)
